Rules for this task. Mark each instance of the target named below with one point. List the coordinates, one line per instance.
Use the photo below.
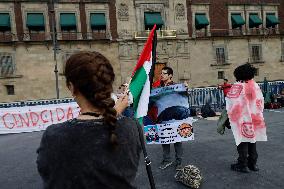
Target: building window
(220, 55)
(7, 66)
(68, 26)
(98, 25)
(152, 18)
(271, 20)
(5, 24)
(257, 72)
(5, 27)
(254, 20)
(68, 22)
(10, 89)
(35, 22)
(221, 75)
(36, 26)
(98, 21)
(255, 53)
(237, 20)
(201, 21)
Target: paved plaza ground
(211, 152)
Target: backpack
(206, 111)
(190, 176)
(193, 112)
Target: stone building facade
(202, 40)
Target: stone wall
(35, 77)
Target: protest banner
(35, 118)
(168, 119)
(167, 104)
(167, 133)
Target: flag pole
(154, 57)
(141, 133)
(151, 76)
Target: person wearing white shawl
(244, 104)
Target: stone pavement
(211, 152)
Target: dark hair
(169, 70)
(245, 72)
(226, 80)
(92, 75)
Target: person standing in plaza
(245, 104)
(99, 148)
(225, 87)
(172, 113)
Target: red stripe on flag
(146, 53)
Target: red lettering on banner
(42, 118)
(58, 110)
(51, 117)
(23, 120)
(6, 121)
(32, 116)
(69, 113)
(16, 121)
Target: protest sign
(35, 118)
(167, 104)
(167, 133)
(168, 120)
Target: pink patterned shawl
(244, 104)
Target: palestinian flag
(142, 75)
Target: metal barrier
(35, 102)
(274, 87)
(200, 96)
(197, 97)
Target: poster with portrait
(168, 119)
(167, 104)
(170, 132)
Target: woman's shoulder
(126, 121)
(128, 124)
(57, 128)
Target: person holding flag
(140, 86)
(167, 110)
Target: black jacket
(77, 155)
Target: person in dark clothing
(245, 111)
(174, 112)
(96, 149)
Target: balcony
(6, 37)
(68, 36)
(39, 36)
(99, 34)
(219, 32)
(203, 33)
(254, 31)
(235, 32)
(160, 34)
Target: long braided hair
(92, 75)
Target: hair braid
(92, 75)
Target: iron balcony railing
(234, 32)
(47, 36)
(160, 34)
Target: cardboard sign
(167, 133)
